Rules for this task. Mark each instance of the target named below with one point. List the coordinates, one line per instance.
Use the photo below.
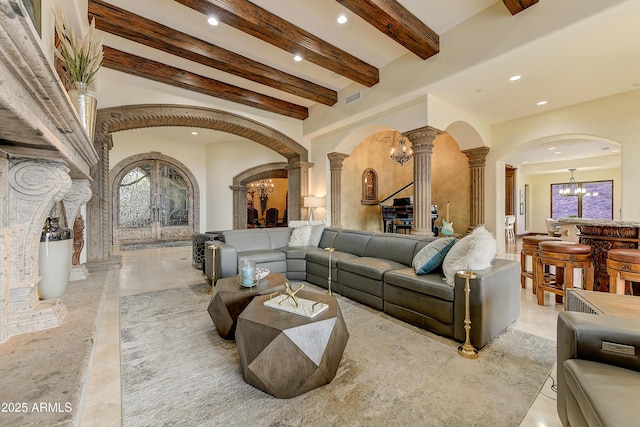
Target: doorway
(153, 202)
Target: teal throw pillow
(431, 256)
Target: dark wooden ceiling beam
(260, 23)
(398, 23)
(152, 70)
(517, 6)
(133, 27)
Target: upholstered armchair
(598, 370)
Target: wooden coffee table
(229, 299)
(285, 354)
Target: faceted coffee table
(285, 354)
(229, 299)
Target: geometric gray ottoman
(285, 354)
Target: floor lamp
(311, 203)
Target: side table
(229, 299)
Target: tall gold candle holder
(467, 350)
(330, 250)
(213, 248)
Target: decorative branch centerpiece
(82, 58)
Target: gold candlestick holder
(330, 250)
(213, 248)
(467, 350)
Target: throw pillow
(432, 255)
(317, 227)
(300, 236)
(473, 252)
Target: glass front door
(153, 204)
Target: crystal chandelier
(401, 154)
(262, 187)
(572, 188)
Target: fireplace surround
(45, 157)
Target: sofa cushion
(590, 381)
(352, 241)
(328, 237)
(431, 256)
(317, 227)
(428, 284)
(244, 240)
(472, 252)
(298, 252)
(373, 268)
(394, 247)
(279, 237)
(262, 256)
(300, 236)
(322, 257)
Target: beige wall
(277, 199)
(450, 181)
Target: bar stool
(530, 248)
(623, 266)
(565, 255)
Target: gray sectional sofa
(375, 269)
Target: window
(593, 200)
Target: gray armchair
(598, 370)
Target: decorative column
(99, 207)
(298, 186)
(79, 194)
(239, 206)
(335, 166)
(477, 162)
(34, 186)
(422, 141)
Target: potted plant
(82, 58)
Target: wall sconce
(311, 203)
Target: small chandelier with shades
(572, 188)
(401, 154)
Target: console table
(602, 236)
(603, 303)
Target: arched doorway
(154, 199)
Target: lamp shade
(313, 202)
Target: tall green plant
(83, 56)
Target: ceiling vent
(352, 98)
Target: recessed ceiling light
(194, 133)
(342, 19)
(551, 148)
(635, 84)
(525, 162)
(542, 102)
(297, 58)
(515, 78)
(558, 152)
(212, 21)
(615, 151)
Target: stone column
(298, 182)
(34, 186)
(239, 206)
(335, 166)
(79, 194)
(477, 162)
(422, 141)
(99, 207)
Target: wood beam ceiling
(136, 28)
(260, 23)
(517, 6)
(396, 22)
(153, 70)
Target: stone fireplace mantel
(45, 157)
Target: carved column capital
(477, 156)
(422, 139)
(335, 160)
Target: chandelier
(572, 188)
(262, 187)
(401, 154)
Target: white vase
(54, 261)
(86, 106)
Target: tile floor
(162, 268)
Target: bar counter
(604, 235)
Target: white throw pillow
(317, 227)
(473, 252)
(300, 236)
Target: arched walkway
(122, 118)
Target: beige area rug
(176, 370)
